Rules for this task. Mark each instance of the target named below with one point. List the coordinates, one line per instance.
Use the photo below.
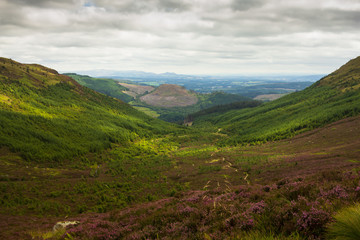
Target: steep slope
(332, 98)
(170, 95)
(345, 78)
(46, 116)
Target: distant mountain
(46, 116)
(332, 98)
(129, 74)
(133, 74)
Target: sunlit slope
(48, 116)
(334, 97)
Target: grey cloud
(330, 20)
(142, 6)
(10, 16)
(243, 5)
(173, 5)
(175, 33)
(285, 20)
(44, 3)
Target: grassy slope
(102, 85)
(332, 98)
(46, 116)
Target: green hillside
(334, 97)
(102, 85)
(47, 116)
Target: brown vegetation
(135, 90)
(170, 95)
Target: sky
(254, 37)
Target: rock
(64, 224)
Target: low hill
(170, 95)
(334, 97)
(46, 116)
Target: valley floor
(189, 190)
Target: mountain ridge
(347, 77)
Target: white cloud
(185, 36)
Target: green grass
(255, 235)
(148, 111)
(346, 225)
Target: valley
(243, 170)
(168, 102)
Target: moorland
(285, 169)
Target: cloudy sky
(182, 36)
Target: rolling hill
(332, 98)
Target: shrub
(311, 222)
